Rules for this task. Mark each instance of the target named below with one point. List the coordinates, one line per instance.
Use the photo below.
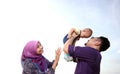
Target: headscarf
(29, 52)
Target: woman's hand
(57, 56)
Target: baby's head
(86, 33)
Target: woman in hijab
(33, 62)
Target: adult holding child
(88, 58)
(83, 33)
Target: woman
(33, 62)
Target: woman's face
(39, 49)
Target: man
(88, 58)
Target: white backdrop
(48, 21)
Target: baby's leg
(65, 38)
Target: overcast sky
(48, 21)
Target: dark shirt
(30, 67)
(88, 59)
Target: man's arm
(71, 41)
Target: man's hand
(76, 38)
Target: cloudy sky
(48, 21)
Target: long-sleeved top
(30, 67)
(88, 59)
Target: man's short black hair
(105, 43)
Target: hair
(90, 31)
(105, 43)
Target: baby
(84, 33)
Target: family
(88, 57)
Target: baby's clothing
(65, 39)
(67, 57)
(66, 36)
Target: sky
(48, 21)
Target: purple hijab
(29, 52)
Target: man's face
(93, 41)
